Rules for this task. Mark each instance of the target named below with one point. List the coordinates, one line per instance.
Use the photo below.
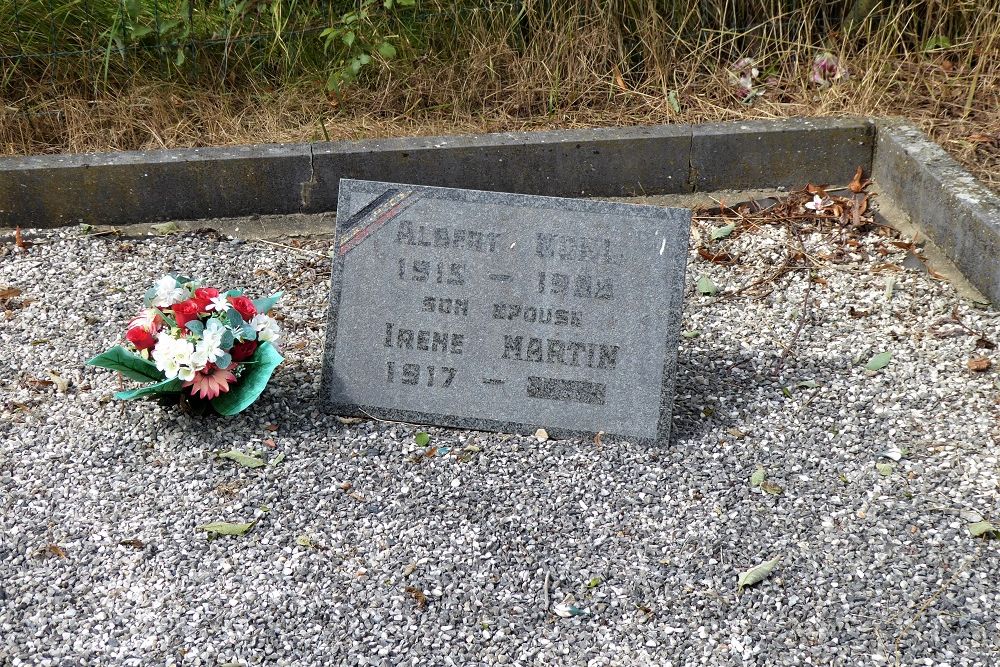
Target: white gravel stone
(446, 559)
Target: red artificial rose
(185, 311)
(204, 296)
(142, 339)
(243, 306)
(244, 350)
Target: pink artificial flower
(826, 69)
(210, 382)
(743, 73)
(819, 204)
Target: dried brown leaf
(979, 138)
(19, 239)
(979, 364)
(723, 258)
(135, 543)
(619, 79)
(9, 293)
(857, 314)
(859, 183)
(417, 595)
(54, 550)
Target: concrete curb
(142, 187)
(956, 211)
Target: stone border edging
(955, 210)
(186, 184)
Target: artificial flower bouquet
(200, 343)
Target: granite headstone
(504, 312)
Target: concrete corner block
(954, 209)
(131, 187)
(785, 153)
(575, 163)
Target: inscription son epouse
(505, 312)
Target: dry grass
(568, 65)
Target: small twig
(545, 592)
(292, 248)
(931, 600)
(387, 421)
(787, 349)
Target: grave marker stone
(504, 312)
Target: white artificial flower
(219, 304)
(185, 373)
(199, 358)
(266, 327)
(173, 356)
(209, 348)
(168, 293)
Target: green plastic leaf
(165, 228)
(706, 287)
(421, 439)
(722, 232)
(758, 476)
(234, 318)
(672, 100)
(937, 42)
(256, 373)
(243, 459)
(879, 361)
(224, 360)
(595, 582)
(278, 459)
(128, 364)
(568, 611)
(387, 50)
(982, 528)
(807, 384)
(267, 303)
(164, 387)
(197, 327)
(304, 541)
(756, 574)
(691, 334)
(226, 528)
(890, 286)
(885, 469)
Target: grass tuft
(231, 72)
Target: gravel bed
(370, 550)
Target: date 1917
(414, 374)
